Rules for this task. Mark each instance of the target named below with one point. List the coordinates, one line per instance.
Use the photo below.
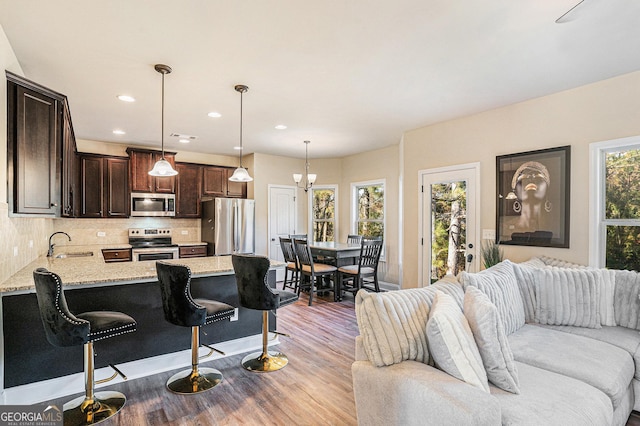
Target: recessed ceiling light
(214, 114)
(184, 140)
(281, 127)
(119, 132)
(126, 98)
(237, 147)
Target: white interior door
(282, 217)
(449, 216)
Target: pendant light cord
(241, 94)
(162, 120)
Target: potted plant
(491, 253)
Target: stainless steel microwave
(143, 204)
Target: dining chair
(298, 237)
(312, 270)
(365, 273)
(286, 244)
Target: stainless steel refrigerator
(228, 226)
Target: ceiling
(348, 75)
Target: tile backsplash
(23, 240)
(28, 237)
(85, 231)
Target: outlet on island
(102, 234)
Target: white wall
(605, 110)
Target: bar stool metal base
(188, 381)
(265, 363)
(83, 411)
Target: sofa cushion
(548, 398)
(488, 332)
(567, 297)
(622, 337)
(499, 283)
(626, 303)
(451, 342)
(393, 324)
(599, 364)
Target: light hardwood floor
(315, 388)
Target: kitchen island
(31, 363)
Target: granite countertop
(191, 243)
(77, 271)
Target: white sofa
(585, 373)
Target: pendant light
(310, 178)
(241, 174)
(162, 166)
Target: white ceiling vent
(181, 136)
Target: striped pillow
(499, 284)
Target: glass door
(449, 238)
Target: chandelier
(309, 178)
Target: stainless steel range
(152, 244)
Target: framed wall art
(533, 192)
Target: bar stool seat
(182, 310)
(63, 328)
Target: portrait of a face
(533, 198)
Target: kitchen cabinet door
(141, 162)
(104, 183)
(214, 181)
(188, 190)
(92, 186)
(32, 149)
(70, 167)
(117, 187)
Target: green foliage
(622, 201)
(324, 205)
(371, 211)
(491, 253)
(443, 196)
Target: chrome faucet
(50, 252)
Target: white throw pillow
(491, 339)
(568, 297)
(393, 324)
(451, 342)
(499, 284)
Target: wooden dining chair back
(354, 239)
(312, 270)
(365, 273)
(298, 237)
(291, 272)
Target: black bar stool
(63, 328)
(255, 293)
(181, 309)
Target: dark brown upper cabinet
(104, 183)
(216, 183)
(141, 161)
(33, 147)
(188, 190)
(70, 194)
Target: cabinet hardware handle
(54, 204)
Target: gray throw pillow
(499, 284)
(568, 297)
(491, 339)
(451, 342)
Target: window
(368, 208)
(323, 213)
(616, 218)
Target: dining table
(343, 253)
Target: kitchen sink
(74, 254)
